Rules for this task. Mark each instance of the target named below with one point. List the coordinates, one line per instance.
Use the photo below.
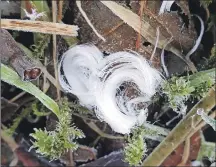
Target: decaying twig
(181, 131)
(11, 54)
(39, 26)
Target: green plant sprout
(54, 143)
(136, 147)
(179, 89)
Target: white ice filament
(96, 81)
(166, 6)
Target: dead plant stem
(186, 152)
(181, 131)
(39, 26)
(54, 10)
(9, 140)
(94, 127)
(17, 97)
(60, 7)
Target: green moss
(179, 89)
(136, 147)
(54, 143)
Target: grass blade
(12, 78)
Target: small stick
(39, 26)
(186, 152)
(71, 159)
(60, 10)
(162, 59)
(45, 75)
(187, 141)
(17, 97)
(203, 123)
(98, 137)
(180, 132)
(54, 10)
(142, 6)
(9, 140)
(156, 43)
(11, 54)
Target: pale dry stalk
(39, 26)
(54, 10)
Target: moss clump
(54, 143)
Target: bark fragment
(11, 54)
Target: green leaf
(12, 78)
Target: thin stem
(202, 124)
(71, 159)
(142, 5)
(45, 75)
(54, 10)
(78, 3)
(156, 43)
(9, 140)
(17, 97)
(94, 127)
(186, 152)
(60, 6)
(99, 137)
(181, 131)
(187, 141)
